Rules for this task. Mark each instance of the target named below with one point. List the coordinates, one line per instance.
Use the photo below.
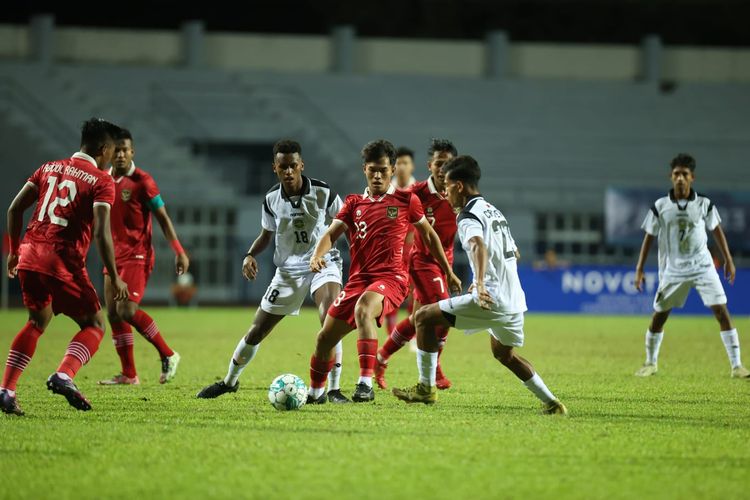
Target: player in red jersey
(427, 278)
(376, 223)
(72, 195)
(136, 198)
(403, 179)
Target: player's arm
(721, 241)
(478, 256)
(23, 200)
(105, 247)
(325, 243)
(648, 239)
(433, 244)
(250, 265)
(181, 260)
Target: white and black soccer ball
(287, 392)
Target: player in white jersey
(680, 221)
(296, 212)
(495, 301)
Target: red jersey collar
(366, 194)
(83, 156)
(127, 174)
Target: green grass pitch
(681, 434)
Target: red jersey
(376, 228)
(136, 196)
(58, 237)
(441, 216)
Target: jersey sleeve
(153, 196)
(345, 214)
(416, 212)
(334, 205)
(104, 191)
(36, 177)
(651, 222)
(469, 227)
(267, 217)
(712, 217)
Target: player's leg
(523, 369)
(428, 319)
(368, 309)
(731, 341)
(122, 337)
(403, 332)
(654, 336)
(324, 295)
(21, 351)
(81, 349)
(136, 276)
(323, 359)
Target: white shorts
(674, 292)
(470, 317)
(287, 290)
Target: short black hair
(95, 132)
(463, 168)
(442, 145)
(124, 134)
(375, 150)
(404, 151)
(286, 147)
(683, 160)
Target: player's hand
(181, 263)
(485, 299)
(729, 271)
(12, 265)
(249, 267)
(317, 264)
(120, 289)
(472, 287)
(454, 284)
(640, 277)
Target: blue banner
(610, 290)
(625, 209)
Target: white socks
(536, 385)
(732, 345)
(653, 343)
(334, 377)
(427, 365)
(365, 380)
(243, 354)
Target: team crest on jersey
(299, 224)
(429, 211)
(125, 195)
(359, 213)
(392, 212)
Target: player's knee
(504, 356)
(422, 318)
(363, 312)
(126, 310)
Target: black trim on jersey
(692, 195)
(331, 194)
(655, 211)
(276, 187)
(468, 215)
(305, 191)
(471, 200)
(710, 206)
(319, 183)
(268, 209)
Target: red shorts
(73, 298)
(393, 289)
(429, 284)
(135, 274)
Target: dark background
(684, 22)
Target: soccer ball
(287, 392)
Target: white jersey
(680, 226)
(299, 222)
(480, 218)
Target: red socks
(319, 369)
(367, 349)
(80, 350)
(122, 337)
(147, 327)
(21, 351)
(400, 335)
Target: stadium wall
(285, 53)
